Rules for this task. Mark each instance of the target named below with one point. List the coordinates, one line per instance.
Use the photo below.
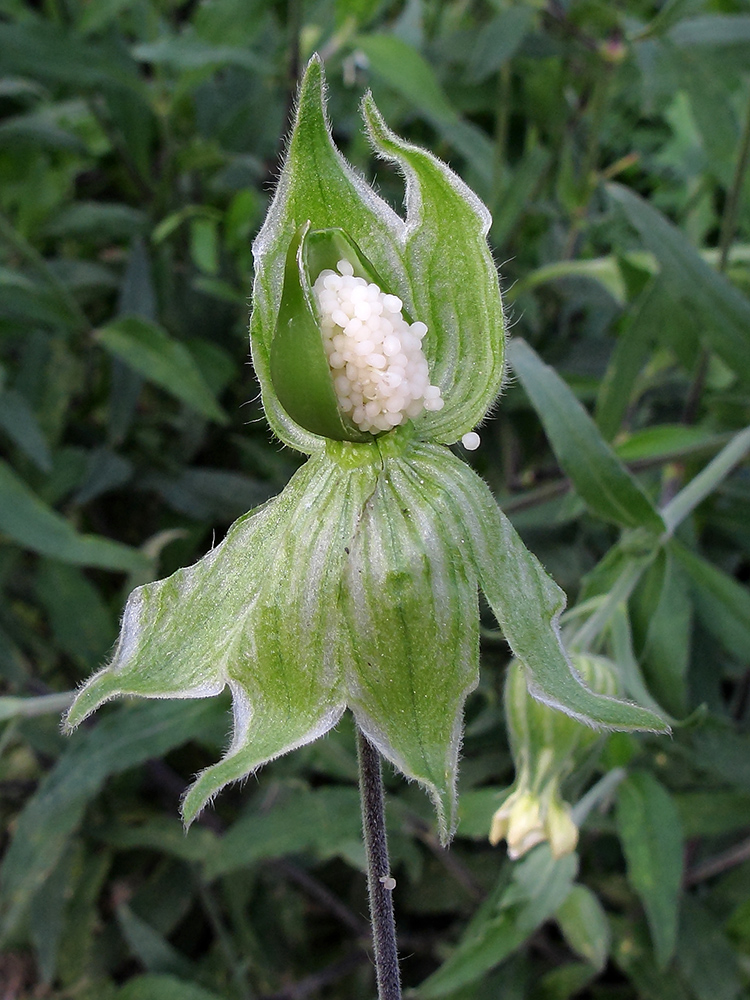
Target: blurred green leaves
(139, 145)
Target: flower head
(358, 585)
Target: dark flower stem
(378, 870)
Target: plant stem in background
(379, 882)
(728, 227)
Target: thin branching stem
(379, 881)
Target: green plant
(138, 149)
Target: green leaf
(46, 51)
(33, 525)
(498, 41)
(191, 53)
(323, 821)
(209, 494)
(525, 601)
(584, 925)
(165, 835)
(404, 69)
(702, 485)
(661, 611)
(19, 423)
(712, 30)
(149, 349)
(43, 829)
(705, 956)
(155, 987)
(151, 949)
(509, 916)
(649, 829)
(82, 623)
(628, 358)
(721, 603)
(709, 813)
(97, 220)
(724, 311)
(599, 477)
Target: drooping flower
(547, 746)
(358, 585)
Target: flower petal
(260, 613)
(526, 601)
(412, 604)
(454, 282)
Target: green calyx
(435, 260)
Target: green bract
(357, 586)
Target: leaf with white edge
(525, 600)
(29, 522)
(648, 825)
(454, 282)
(599, 477)
(149, 350)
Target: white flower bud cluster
(380, 373)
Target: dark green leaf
(649, 829)
(33, 525)
(598, 475)
(150, 350)
(122, 740)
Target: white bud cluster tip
(379, 371)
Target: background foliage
(139, 141)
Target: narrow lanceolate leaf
(598, 475)
(256, 614)
(648, 825)
(149, 350)
(724, 310)
(414, 626)
(721, 603)
(29, 522)
(525, 601)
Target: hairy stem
(379, 882)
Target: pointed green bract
(454, 283)
(260, 613)
(526, 602)
(414, 622)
